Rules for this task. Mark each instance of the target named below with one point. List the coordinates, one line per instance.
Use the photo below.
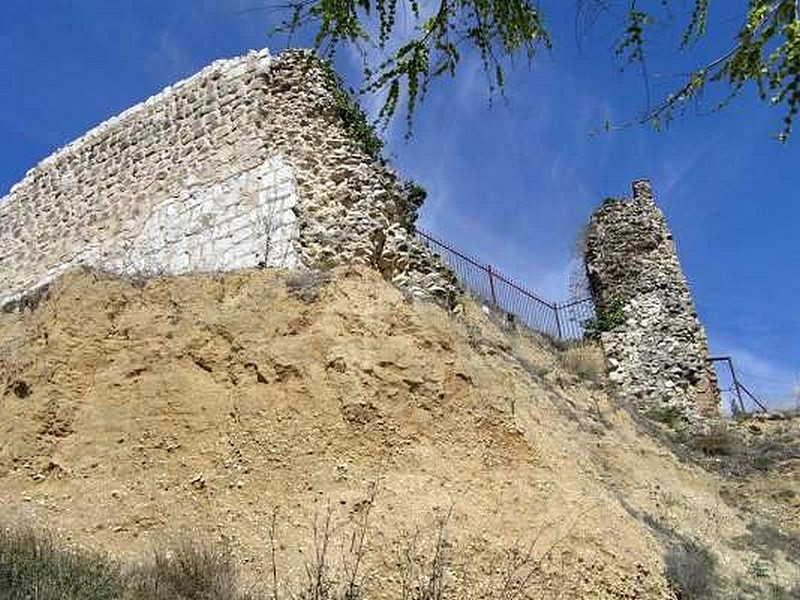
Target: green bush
(610, 318)
(671, 416)
(355, 120)
(415, 196)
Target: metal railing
(563, 321)
(737, 391)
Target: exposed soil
(133, 411)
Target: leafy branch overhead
(764, 53)
(407, 44)
(412, 57)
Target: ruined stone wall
(657, 352)
(248, 163)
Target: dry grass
(33, 564)
(717, 440)
(691, 570)
(187, 570)
(307, 285)
(586, 361)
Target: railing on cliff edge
(737, 391)
(563, 321)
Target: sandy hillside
(131, 411)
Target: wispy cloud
(173, 60)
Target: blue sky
(512, 182)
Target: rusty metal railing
(563, 321)
(737, 388)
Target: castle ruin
(656, 349)
(248, 163)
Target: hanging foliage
(407, 44)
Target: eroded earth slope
(134, 410)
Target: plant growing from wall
(415, 196)
(607, 319)
(355, 121)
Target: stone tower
(656, 349)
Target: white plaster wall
(245, 221)
(248, 220)
(202, 141)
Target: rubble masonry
(244, 164)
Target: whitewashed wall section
(214, 173)
(246, 221)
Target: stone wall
(245, 164)
(657, 353)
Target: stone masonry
(245, 164)
(658, 352)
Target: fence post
(558, 322)
(491, 284)
(737, 385)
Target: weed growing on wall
(355, 120)
(415, 196)
(606, 320)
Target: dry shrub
(691, 571)
(717, 440)
(33, 566)
(424, 565)
(424, 561)
(586, 361)
(187, 570)
(306, 285)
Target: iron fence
(734, 393)
(563, 321)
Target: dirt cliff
(134, 410)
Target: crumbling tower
(655, 346)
